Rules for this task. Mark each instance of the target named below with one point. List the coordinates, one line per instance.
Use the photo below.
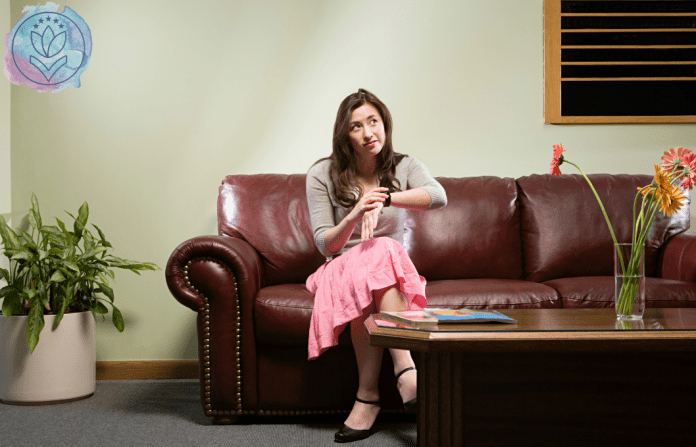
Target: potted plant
(55, 275)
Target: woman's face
(366, 131)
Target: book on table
(429, 317)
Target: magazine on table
(431, 316)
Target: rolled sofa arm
(679, 258)
(219, 277)
(234, 253)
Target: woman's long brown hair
(344, 168)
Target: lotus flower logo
(47, 50)
(48, 45)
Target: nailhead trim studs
(209, 411)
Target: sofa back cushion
(270, 212)
(564, 233)
(477, 235)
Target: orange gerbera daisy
(672, 201)
(657, 185)
(669, 196)
(557, 159)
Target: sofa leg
(225, 420)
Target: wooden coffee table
(558, 377)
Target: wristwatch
(388, 201)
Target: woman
(356, 206)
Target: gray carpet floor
(169, 413)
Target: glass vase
(629, 281)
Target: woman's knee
(384, 240)
(391, 298)
(391, 245)
(377, 294)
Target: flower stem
(606, 217)
(637, 221)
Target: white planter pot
(61, 368)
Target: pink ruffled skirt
(343, 288)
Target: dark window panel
(627, 71)
(627, 22)
(628, 98)
(658, 38)
(627, 7)
(627, 55)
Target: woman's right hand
(368, 202)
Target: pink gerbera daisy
(688, 163)
(673, 158)
(557, 159)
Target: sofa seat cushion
(490, 294)
(282, 314)
(598, 291)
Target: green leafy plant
(54, 270)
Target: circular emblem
(47, 50)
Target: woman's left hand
(369, 222)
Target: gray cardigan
(325, 212)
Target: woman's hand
(369, 222)
(368, 202)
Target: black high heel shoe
(412, 405)
(347, 434)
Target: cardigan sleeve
(418, 176)
(321, 212)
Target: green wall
(5, 171)
(5, 159)
(179, 94)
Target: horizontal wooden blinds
(619, 61)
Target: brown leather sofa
(500, 243)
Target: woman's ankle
(362, 416)
(368, 395)
(403, 369)
(407, 384)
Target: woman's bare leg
(369, 360)
(394, 300)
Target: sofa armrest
(219, 277)
(678, 260)
(236, 254)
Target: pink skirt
(343, 288)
